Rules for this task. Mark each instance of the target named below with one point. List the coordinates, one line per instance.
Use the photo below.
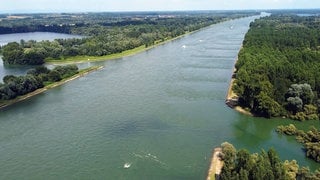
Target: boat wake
(149, 157)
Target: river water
(161, 112)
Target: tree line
(66, 22)
(14, 86)
(103, 36)
(277, 72)
(241, 165)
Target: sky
(22, 6)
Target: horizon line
(128, 11)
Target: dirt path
(216, 164)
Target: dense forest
(104, 33)
(14, 86)
(277, 72)
(67, 22)
(309, 139)
(241, 165)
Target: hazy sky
(149, 5)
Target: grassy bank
(47, 87)
(130, 52)
(80, 59)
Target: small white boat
(127, 165)
(184, 46)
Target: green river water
(161, 111)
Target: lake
(160, 113)
(37, 36)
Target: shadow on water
(128, 128)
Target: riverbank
(81, 73)
(232, 98)
(127, 53)
(130, 52)
(215, 165)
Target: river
(160, 112)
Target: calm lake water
(161, 111)
(37, 36)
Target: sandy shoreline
(232, 98)
(215, 165)
(41, 90)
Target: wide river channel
(160, 113)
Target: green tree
(295, 104)
(276, 164)
(54, 76)
(12, 53)
(243, 160)
(229, 153)
(34, 57)
(291, 169)
(267, 106)
(243, 174)
(302, 91)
